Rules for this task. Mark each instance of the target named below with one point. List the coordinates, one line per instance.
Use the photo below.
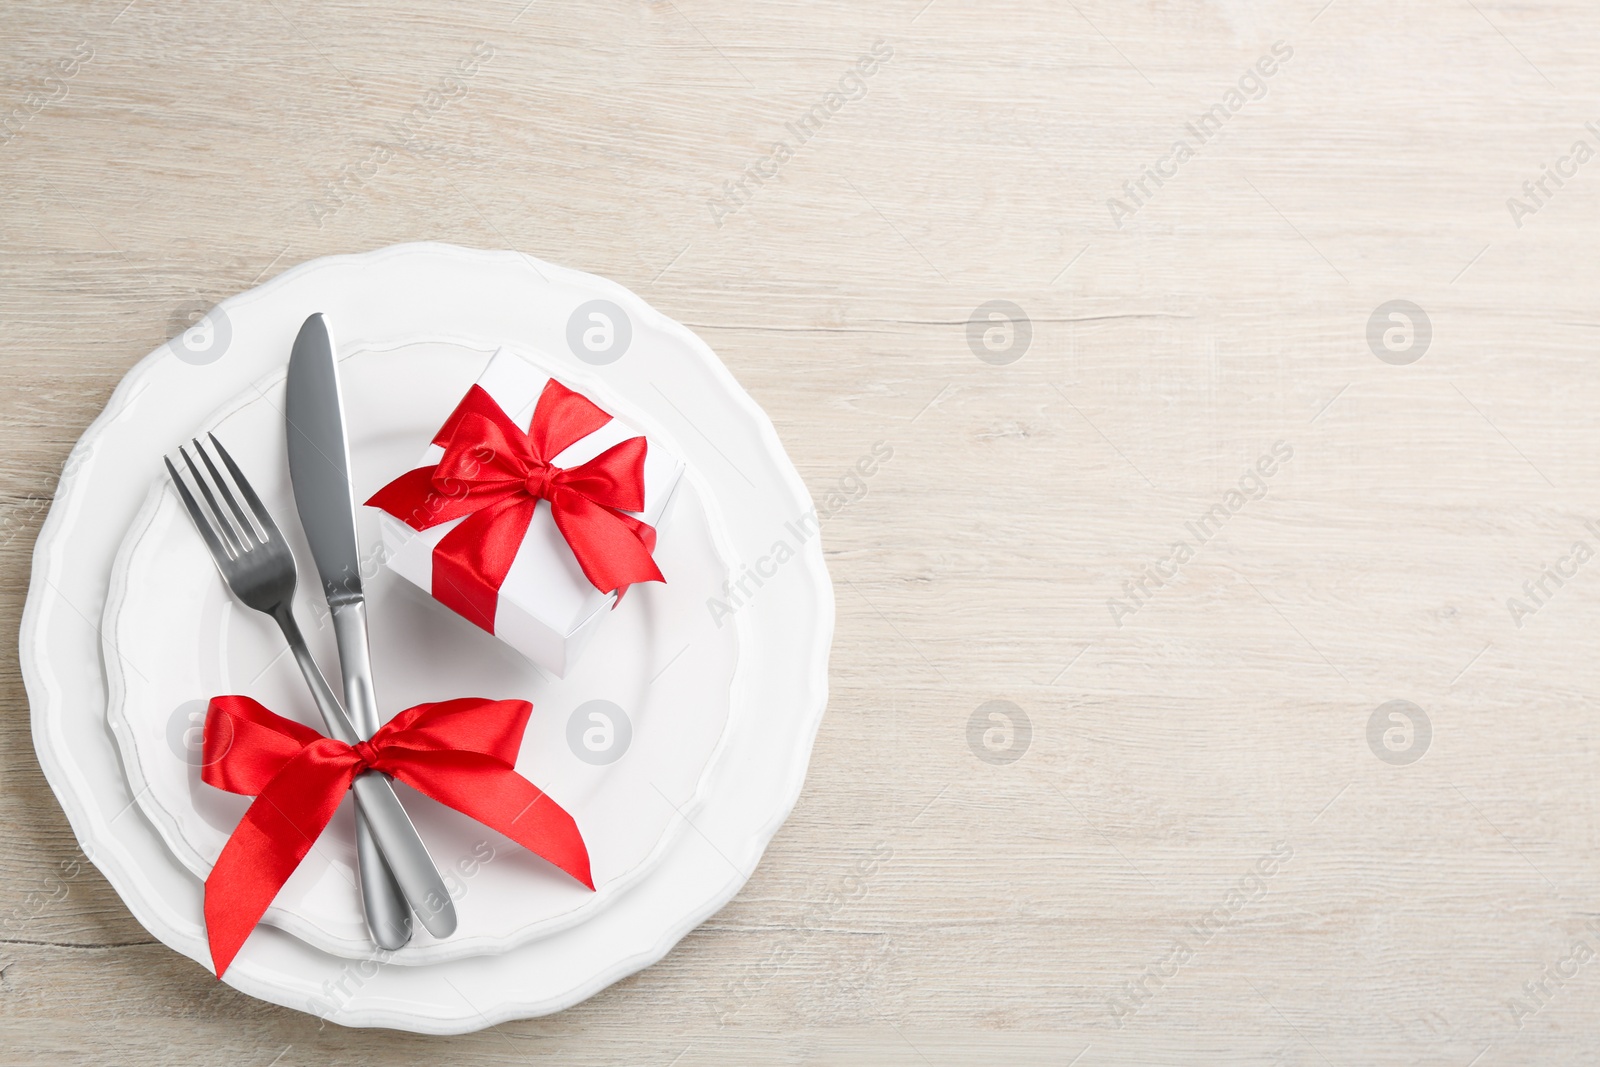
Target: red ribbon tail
(497, 796)
(647, 537)
(471, 562)
(607, 543)
(269, 843)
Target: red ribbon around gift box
(495, 474)
(461, 753)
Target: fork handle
(409, 864)
(388, 916)
(408, 857)
(383, 902)
(381, 898)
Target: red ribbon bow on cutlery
(461, 753)
(495, 474)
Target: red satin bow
(495, 474)
(461, 753)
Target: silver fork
(259, 567)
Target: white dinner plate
(402, 293)
(623, 742)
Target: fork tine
(263, 516)
(237, 545)
(201, 523)
(227, 494)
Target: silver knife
(319, 469)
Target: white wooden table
(1208, 844)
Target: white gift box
(547, 609)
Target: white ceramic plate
(405, 292)
(662, 670)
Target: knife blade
(319, 468)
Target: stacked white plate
(679, 741)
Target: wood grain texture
(1103, 897)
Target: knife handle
(380, 811)
(355, 664)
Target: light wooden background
(1430, 912)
